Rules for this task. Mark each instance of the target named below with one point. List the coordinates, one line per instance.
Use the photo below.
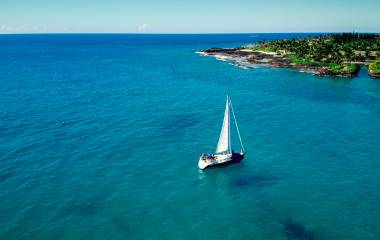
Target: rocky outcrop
(374, 69)
(374, 74)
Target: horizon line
(184, 33)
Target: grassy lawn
(260, 48)
(334, 68)
(305, 62)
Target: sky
(195, 16)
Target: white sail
(224, 138)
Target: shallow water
(100, 137)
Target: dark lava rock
(374, 75)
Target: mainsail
(224, 138)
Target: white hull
(218, 159)
(205, 161)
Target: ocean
(100, 135)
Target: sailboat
(223, 154)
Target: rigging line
(237, 128)
(229, 123)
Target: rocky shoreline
(252, 59)
(374, 75)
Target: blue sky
(196, 16)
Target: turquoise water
(100, 137)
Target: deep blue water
(100, 137)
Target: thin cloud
(12, 29)
(142, 27)
(9, 29)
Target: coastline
(338, 55)
(246, 58)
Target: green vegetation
(338, 52)
(304, 61)
(343, 68)
(374, 67)
(263, 48)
